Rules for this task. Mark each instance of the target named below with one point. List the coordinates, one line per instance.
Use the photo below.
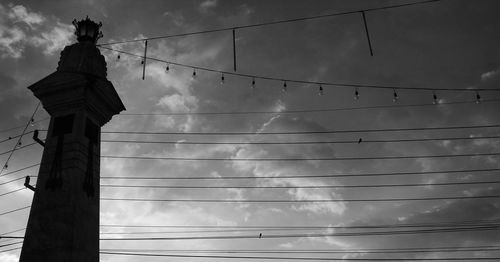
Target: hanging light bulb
(253, 82)
(222, 79)
(118, 57)
(194, 74)
(167, 69)
(142, 62)
(478, 98)
(434, 98)
(32, 122)
(19, 144)
(395, 97)
(320, 92)
(356, 94)
(284, 87)
(6, 166)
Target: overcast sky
(446, 44)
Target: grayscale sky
(451, 44)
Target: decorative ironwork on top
(87, 30)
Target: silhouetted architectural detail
(64, 219)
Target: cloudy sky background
(447, 44)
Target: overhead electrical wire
(303, 176)
(288, 201)
(297, 258)
(309, 235)
(14, 210)
(268, 23)
(299, 187)
(355, 141)
(19, 170)
(306, 132)
(299, 159)
(310, 251)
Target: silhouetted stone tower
(63, 223)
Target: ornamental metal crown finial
(87, 30)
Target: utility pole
(63, 223)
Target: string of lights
(300, 159)
(356, 86)
(266, 23)
(18, 148)
(19, 143)
(32, 122)
(323, 110)
(15, 136)
(19, 170)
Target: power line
(309, 110)
(14, 210)
(316, 83)
(306, 132)
(459, 171)
(277, 201)
(306, 176)
(18, 127)
(297, 187)
(19, 170)
(310, 235)
(300, 159)
(312, 251)
(361, 226)
(266, 23)
(10, 151)
(355, 141)
(13, 191)
(296, 258)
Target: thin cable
(18, 170)
(297, 187)
(296, 258)
(268, 23)
(267, 251)
(309, 110)
(10, 151)
(306, 132)
(13, 191)
(300, 159)
(16, 136)
(306, 176)
(315, 83)
(15, 210)
(19, 139)
(277, 201)
(356, 141)
(302, 227)
(18, 127)
(312, 235)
